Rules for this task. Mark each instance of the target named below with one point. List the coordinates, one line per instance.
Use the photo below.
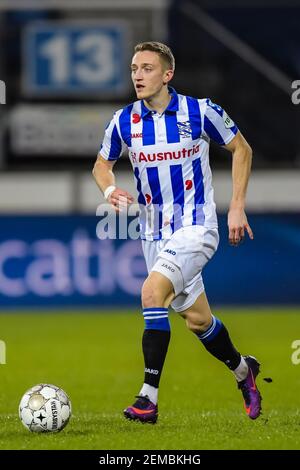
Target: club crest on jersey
(184, 129)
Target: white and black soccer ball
(45, 408)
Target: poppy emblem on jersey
(184, 129)
(148, 198)
(188, 184)
(136, 118)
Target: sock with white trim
(155, 343)
(217, 341)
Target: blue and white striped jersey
(169, 153)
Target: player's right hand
(120, 199)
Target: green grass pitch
(97, 359)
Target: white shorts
(181, 259)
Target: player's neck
(159, 102)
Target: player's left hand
(237, 225)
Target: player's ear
(168, 76)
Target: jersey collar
(172, 107)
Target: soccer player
(168, 136)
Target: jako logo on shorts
(164, 265)
(171, 252)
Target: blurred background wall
(65, 66)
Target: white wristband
(108, 191)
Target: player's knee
(151, 295)
(197, 324)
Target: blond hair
(161, 49)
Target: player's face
(148, 74)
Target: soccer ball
(45, 408)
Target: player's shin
(217, 341)
(155, 344)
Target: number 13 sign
(66, 58)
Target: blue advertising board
(68, 58)
(59, 261)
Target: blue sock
(156, 318)
(217, 341)
(213, 330)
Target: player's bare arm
(105, 179)
(241, 168)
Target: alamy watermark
(2, 92)
(2, 352)
(111, 226)
(296, 94)
(137, 218)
